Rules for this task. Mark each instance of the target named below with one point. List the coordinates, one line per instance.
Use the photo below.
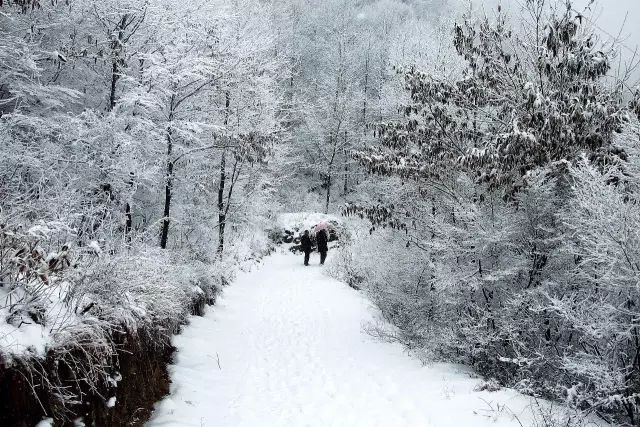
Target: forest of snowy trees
(490, 157)
(516, 195)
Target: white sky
(610, 16)
(619, 18)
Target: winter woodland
(482, 165)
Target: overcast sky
(610, 15)
(619, 17)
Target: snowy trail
(284, 347)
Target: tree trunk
(116, 49)
(329, 178)
(328, 183)
(167, 193)
(346, 165)
(222, 212)
(129, 222)
(128, 226)
(114, 81)
(168, 187)
(222, 216)
(366, 91)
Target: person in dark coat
(305, 242)
(322, 240)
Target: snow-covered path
(284, 347)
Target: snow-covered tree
(487, 193)
(525, 100)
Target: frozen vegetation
(477, 170)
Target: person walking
(322, 241)
(305, 242)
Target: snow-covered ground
(284, 347)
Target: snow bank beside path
(17, 340)
(284, 347)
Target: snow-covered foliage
(539, 293)
(343, 55)
(516, 220)
(289, 227)
(134, 133)
(525, 99)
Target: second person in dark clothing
(305, 242)
(322, 240)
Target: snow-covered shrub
(489, 385)
(546, 414)
(594, 305)
(70, 305)
(396, 278)
(32, 265)
(289, 227)
(350, 261)
(539, 290)
(145, 291)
